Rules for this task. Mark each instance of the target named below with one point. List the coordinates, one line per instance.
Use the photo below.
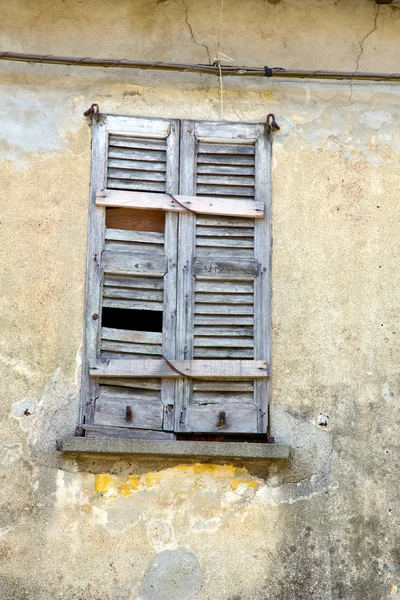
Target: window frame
(262, 241)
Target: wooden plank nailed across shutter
(209, 206)
(202, 369)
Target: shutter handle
(221, 420)
(128, 414)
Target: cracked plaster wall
(325, 528)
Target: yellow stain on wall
(394, 590)
(113, 486)
(102, 483)
(236, 482)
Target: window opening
(132, 320)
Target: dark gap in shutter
(132, 320)
(255, 438)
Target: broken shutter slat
(207, 206)
(201, 369)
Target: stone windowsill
(178, 450)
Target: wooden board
(143, 415)
(217, 369)
(131, 219)
(238, 419)
(208, 206)
(208, 268)
(122, 263)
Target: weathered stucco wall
(326, 528)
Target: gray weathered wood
(97, 431)
(200, 369)
(217, 385)
(123, 393)
(135, 186)
(210, 252)
(225, 160)
(228, 190)
(147, 128)
(125, 348)
(209, 221)
(132, 142)
(262, 285)
(186, 253)
(144, 264)
(132, 304)
(168, 395)
(223, 352)
(149, 167)
(138, 165)
(217, 132)
(216, 397)
(142, 237)
(222, 257)
(133, 294)
(135, 175)
(137, 383)
(239, 419)
(225, 232)
(217, 242)
(218, 148)
(209, 205)
(133, 276)
(133, 247)
(132, 154)
(225, 180)
(228, 269)
(224, 309)
(210, 169)
(125, 335)
(212, 342)
(112, 355)
(94, 274)
(154, 283)
(222, 320)
(112, 412)
(225, 299)
(224, 287)
(229, 332)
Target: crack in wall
(361, 44)
(192, 34)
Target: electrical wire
(214, 69)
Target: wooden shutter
(224, 277)
(131, 270)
